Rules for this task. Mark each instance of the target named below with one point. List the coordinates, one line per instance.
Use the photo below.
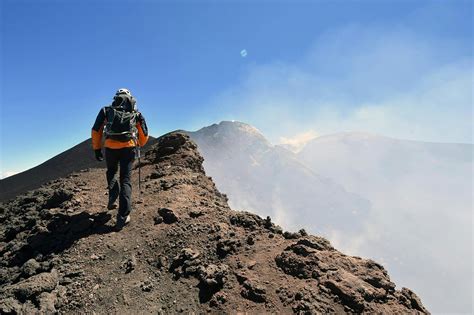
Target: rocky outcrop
(185, 251)
(361, 285)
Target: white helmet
(123, 91)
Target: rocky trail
(185, 251)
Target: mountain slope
(184, 251)
(79, 157)
(269, 180)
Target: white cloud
(388, 82)
(298, 141)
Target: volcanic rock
(167, 215)
(253, 291)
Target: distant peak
(234, 128)
(232, 122)
(241, 126)
(235, 123)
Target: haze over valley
(406, 203)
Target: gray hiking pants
(123, 157)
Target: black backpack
(121, 120)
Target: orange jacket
(98, 129)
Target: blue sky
(398, 68)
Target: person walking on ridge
(125, 130)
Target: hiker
(125, 131)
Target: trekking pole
(138, 155)
(139, 171)
(137, 146)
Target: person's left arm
(142, 130)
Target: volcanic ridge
(185, 251)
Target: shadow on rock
(60, 233)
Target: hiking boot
(111, 205)
(122, 221)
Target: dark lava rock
(173, 144)
(186, 263)
(213, 276)
(167, 215)
(146, 286)
(195, 213)
(10, 306)
(291, 235)
(43, 282)
(130, 264)
(161, 262)
(211, 279)
(247, 220)
(30, 267)
(227, 246)
(253, 291)
(295, 261)
(316, 242)
(158, 219)
(250, 240)
(411, 300)
(47, 303)
(58, 197)
(218, 299)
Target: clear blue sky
(312, 66)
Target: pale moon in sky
(243, 53)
